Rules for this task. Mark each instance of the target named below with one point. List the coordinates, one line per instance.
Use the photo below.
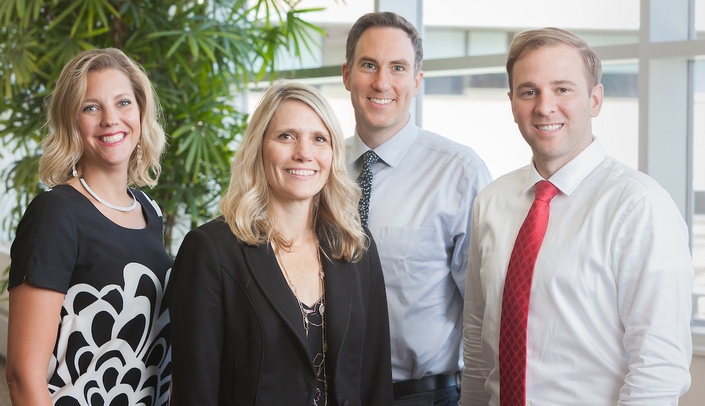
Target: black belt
(425, 384)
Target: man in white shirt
(610, 299)
(423, 187)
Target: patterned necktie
(365, 182)
(516, 297)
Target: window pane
(473, 28)
(482, 28)
(700, 18)
(623, 15)
(476, 112)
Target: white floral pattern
(113, 345)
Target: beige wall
(696, 394)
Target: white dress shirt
(609, 317)
(423, 188)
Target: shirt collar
(571, 174)
(391, 151)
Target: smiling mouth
(110, 139)
(381, 101)
(301, 172)
(552, 127)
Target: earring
(73, 171)
(139, 154)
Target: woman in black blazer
(281, 300)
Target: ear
(346, 76)
(597, 96)
(511, 102)
(417, 82)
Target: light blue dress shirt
(423, 189)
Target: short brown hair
(551, 36)
(384, 19)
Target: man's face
(382, 83)
(553, 105)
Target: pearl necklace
(98, 198)
(110, 205)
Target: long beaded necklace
(105, 203)
(305, 313)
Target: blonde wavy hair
(246, 204)
(63, 147)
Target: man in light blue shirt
(423, 190)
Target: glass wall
(457, 28)
(488, 27)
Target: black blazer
(237, 334)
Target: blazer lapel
(339, 280)
(267, 274)
(338, 300)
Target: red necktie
(516, 297)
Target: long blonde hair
(62, 148)
(246, 204)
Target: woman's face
(109, 121)
(296, 153)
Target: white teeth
(549, 127)
(381, 101)
(301, 172)
(112, 138)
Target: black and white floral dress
(113, 344)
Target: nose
(545, 104)
(381, 80)
(303, 151)
(109, 117)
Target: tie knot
(369, 157)
(545, 191)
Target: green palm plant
(199, 55)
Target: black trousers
(440, 397)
